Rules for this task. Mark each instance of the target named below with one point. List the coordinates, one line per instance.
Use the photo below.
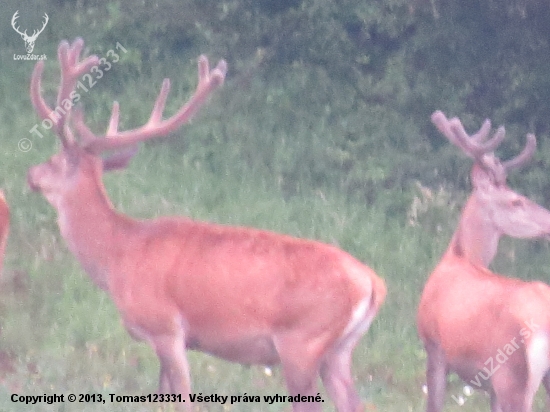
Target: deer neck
(476, 237)
(92, 228)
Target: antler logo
(29, 40)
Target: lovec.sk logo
(29, 40)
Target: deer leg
(301, 382)
(546, 383)
(436, 377)
(495, 406)
(300, 366)
(174, 368)
(336, 376)
(336, 370)
(510, 390)
(164, 381)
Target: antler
(71, 70)
(525, 155)
(476, 145)
(209, 80)
(35, 33)
(13, 19)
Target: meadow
(61, 334)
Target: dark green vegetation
(321, 131)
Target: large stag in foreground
(493, 331)
(245, 295)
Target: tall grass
(60, 334)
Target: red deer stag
(244, 295)
(493, 331)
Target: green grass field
(60, 334)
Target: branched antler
(29, 40)
(479, 148)
(71, 70)
(209, 80)
(474, 146)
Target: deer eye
(517, 202)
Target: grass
(60, 334)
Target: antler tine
(43, 110)
(525, 155)
(38, 102)
(477, 149)
(444, 126)
(113, 121)
(36, 32)
(71, 70)
(13, 23)
(209, 80)
(160, 103)
(474, 146)
(117, 160)
(482, 133)
(86, 135)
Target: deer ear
(120, 159)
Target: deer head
(497, 209)
(29, 40)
